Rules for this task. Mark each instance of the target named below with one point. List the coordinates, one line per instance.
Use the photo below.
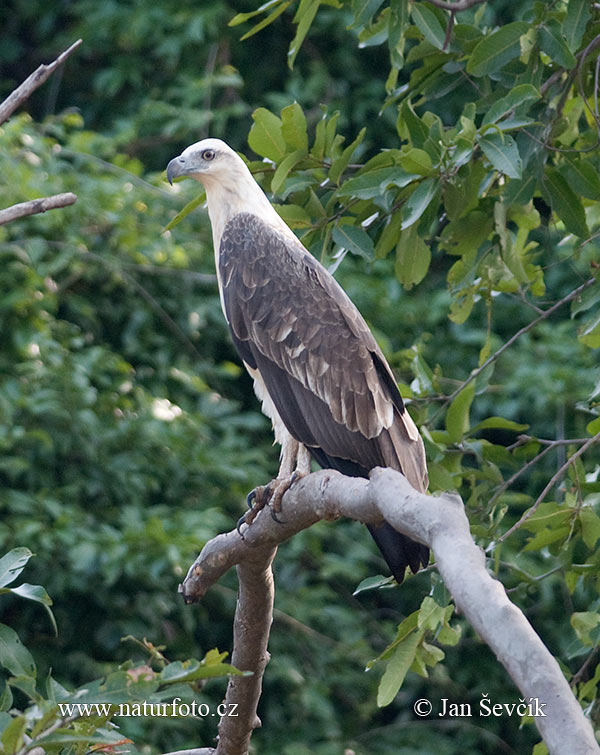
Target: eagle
(320, 375)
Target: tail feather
(398, 550)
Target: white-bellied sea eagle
(321, 377)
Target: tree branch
(525, 329)
(32, 82)
(439, 522)
(35, 206)
(550, 485)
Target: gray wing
(323, 369)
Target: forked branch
(439, 522)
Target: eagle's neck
(237, 193)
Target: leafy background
(452, 184)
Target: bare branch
(550, 485)
(545, 314)
(32, 82)
(35, 206)
(441, 523)
(252, 624)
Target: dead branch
(35, 206)
(32, 82)
(439, 522)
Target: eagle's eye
(208, 154)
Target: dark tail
(398, 550)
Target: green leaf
(429, 26)
(586, 300)
(590, 332)
(578, 14)
(398, 23)
(502, 152)
(200, 199)
(411, 125)
(294, 216)
(304, 17)
(373, 183)
(397, 668)
(416, 161)
(556, 48)
(497, 49)
(13, 654)
(13, 735)
(265, 22)
(498, 423)
(582, 177)
(32, 592)
(191, 670)
(431, 615)
(590, 527)
(516, 97)
(546, 537)
(565, 203)
(293, 127)
(12, 564)
(241, 18)
(457, 416)
(284, 168)
(374, 583)
(266, 137)
(583, 623)
(363, 11)
(341, 163)
(389, 236)
(354, 239)
(413, 258)
(419, 201)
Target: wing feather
(322, 367)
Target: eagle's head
(206, 161)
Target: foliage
(59, 719)
(455, 219)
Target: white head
(208, 161)
(230, 187)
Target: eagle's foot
(280, 488)
(271, 494)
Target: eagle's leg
(294, 464)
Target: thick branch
(35, 206)
(441, 523)
(252, 624)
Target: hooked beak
(176, 168)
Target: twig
(579, 674)
(545, 314)
(441, 523)
(550, 485)
(32, 82)
(35, 206)
(549, 445)
(517, 474)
